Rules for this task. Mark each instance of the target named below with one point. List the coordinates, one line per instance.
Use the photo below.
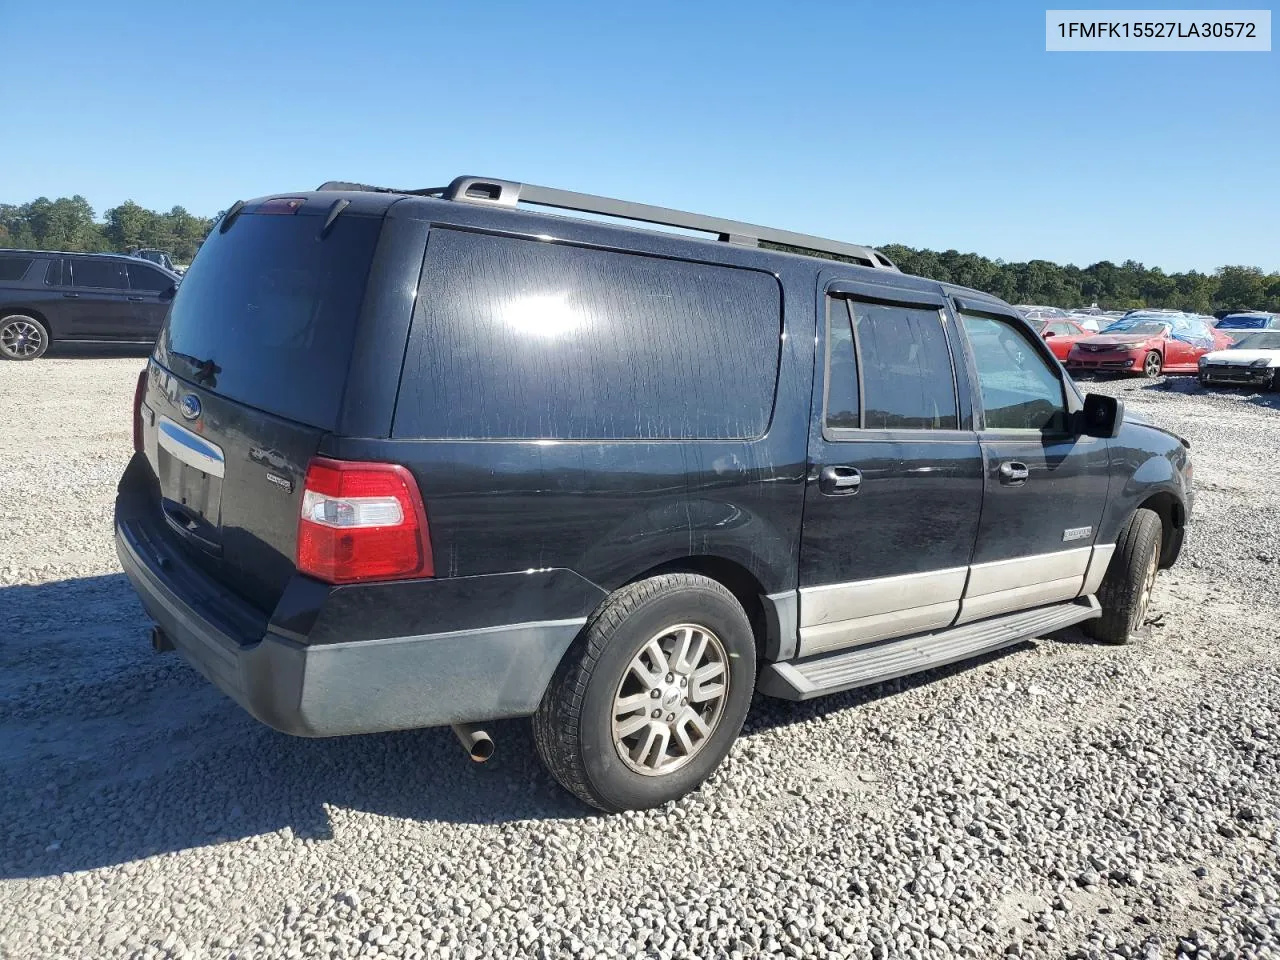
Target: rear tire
(22, 337)
(1152, 364)
(1126, 589)
(596, 730)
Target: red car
(1148, 345)
(1060, 335)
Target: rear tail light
(362, 521)
(139, 391)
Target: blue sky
(931, 124)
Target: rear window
(522, 339)
(14, 268)
(267, 313)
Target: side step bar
(833, 672)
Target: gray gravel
(1065, 799)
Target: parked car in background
(1250, 321)
(1148, 343)
(48, 297)
(1253, 360)
(1091, 323)
(405, 461)
(160, 258)
(1032, 312)
(1060, 335)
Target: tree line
(69, 223)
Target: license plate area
(190, 469)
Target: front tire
(653, 693)
(1152, 364)
(1126, 589)
(22, 337)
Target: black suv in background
(414, 458)
(48, 297)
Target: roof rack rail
(509, 193)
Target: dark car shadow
(110, 752)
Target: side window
(53, 275)
(1020, 391)
(521, 339)
(842, 368)
(98, 273)
(907, 379)
(147, 279)
(1060, 329)
(14, 268)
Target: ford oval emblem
(191, 406)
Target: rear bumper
(317, 690)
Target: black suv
(48, 297)
(415, 458)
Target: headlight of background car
(1203, 360)
(1260, 362)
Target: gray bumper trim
(363, 687)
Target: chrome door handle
(1012, 472)
(840, 481)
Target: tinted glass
(147, 279)
(267, 313)
(522, 339)
(14, 268)
(98, 273)
(907, 380)
(53, 274)
(1020, 390)
(842, 370)
(1243, 322)
(1264, 340)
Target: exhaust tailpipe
(474, 740)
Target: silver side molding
(839, 615)
(1098, 564)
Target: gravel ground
(1064, 799)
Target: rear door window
(53, 274)
(908, 382)
(267, 313)
(842, 406)
(100, 274)
(14, 268)
(523, 339)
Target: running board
(833, 672)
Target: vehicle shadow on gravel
(110, 753)
(106, 351)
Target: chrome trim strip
(859, 630)
(860, 599)
(1098, 564)
(192, 449)
(1002, 575)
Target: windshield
(1138, 325)
(1266, 340)
(1243, 321)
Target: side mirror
(1101, 417)
(1048, 334)
(168, 292)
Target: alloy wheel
(670, 699)
(20, 338)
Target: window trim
(909, 299)
(57, 264)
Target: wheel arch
(1173, 520)
(24, 311)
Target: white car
(1253, 360)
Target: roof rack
(508, 193)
